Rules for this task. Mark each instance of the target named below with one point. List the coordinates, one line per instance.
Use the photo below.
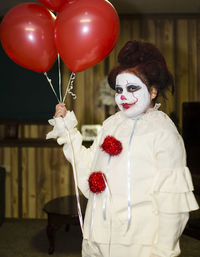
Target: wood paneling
(9, 159)
(45, 172)
(46, 175)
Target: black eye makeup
(133, 88)
(130, 88)
(118, 89)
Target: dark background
(24, 94)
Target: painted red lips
(126, 105)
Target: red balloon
(27, 36)
(86, 32)
(55, 5)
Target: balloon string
(75, 180)
(49, 80)
(59, 75)
(70, 87)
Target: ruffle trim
(174, 203)
(61, 126)
(172, 191)
(178, 180)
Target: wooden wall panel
(9, 160)
(165, 41)
(135, 29)
(43, 179)
(151, 31)
(14, 182)
(192, 61)
(198, 58)
(89, 97)
(8, 182)
(182, 64)
(60, 172)
(35, 131)
(29, 183)
(45, 175)
(99, 76)
(79, 103)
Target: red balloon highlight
(85, 33)
(27, 36)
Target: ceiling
(157, 6)
(131, 6)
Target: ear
(153, 92)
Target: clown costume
(134, 175)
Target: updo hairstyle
(146, 62)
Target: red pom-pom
(97, 182)
(111, 146)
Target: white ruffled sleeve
(62, 127)
(81, 158)
(172, 192)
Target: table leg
(51, 233)
(67, 227)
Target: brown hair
(146, 62)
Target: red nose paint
(123, 97)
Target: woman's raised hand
(61, 110)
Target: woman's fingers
(60, 110)
(60, 105)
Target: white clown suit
(144, 208)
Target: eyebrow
(132, 84)
(128, 85)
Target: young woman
(135, 177)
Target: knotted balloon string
(75, 180)
(51, 85)
(70, 86)
(59, 79)
(59, 82)
(69, 90)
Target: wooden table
(62, 211)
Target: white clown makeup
(132, 95)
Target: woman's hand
(61, 110)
